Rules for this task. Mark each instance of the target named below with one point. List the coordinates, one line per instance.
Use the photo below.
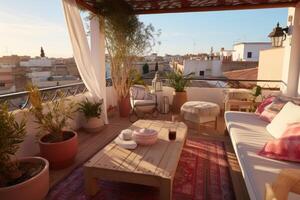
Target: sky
(25, 26)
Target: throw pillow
(272, 109)
(286, 148)
(289, 114)
(267, 115)
(263, 104)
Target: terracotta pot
(35, 188)
(124, 107)
(60, 154)
(179, 98)
(93, 125)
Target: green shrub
(178, 81)
(145, 68)
(53, 116)
(90, 109)
(11, 135)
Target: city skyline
(25, 27)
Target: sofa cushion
(287, 147)
(248, 135)
(290, 113)
(263, 104)
(267, 115)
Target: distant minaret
(42, 53)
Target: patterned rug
(202, 173)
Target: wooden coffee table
(153, 165)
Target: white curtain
(88, 61)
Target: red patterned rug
(202, 173)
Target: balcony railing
(19, 100)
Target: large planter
(35, 188)
(93, 125)
(179, 98)
(124, 107)
(60, 154)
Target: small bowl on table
(145, 136)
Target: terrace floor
(89, 144)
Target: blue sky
(27, 25)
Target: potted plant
(256, 92)
(58, 144)
(178, 81)
(111, 111)
(92, 112)
(127, 38)
(25, 178)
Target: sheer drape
(88, 62)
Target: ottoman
(200, 112)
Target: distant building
(151, 57)
(249, 51)
(6, 81)
(12, 61)
(37, 62)
(226, 55)
(200, 68)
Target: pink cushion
(267, 115)
(263, 104)
(287, 147)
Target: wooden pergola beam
(186, 8)
(87, 6)
(216, 8)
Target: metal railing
(229, 83)
(20, 100)
(239, 83)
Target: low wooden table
(147, 165)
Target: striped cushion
(271, 110)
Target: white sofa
(248, 135)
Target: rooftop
(254, 43)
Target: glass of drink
(172, 134)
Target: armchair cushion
(143, 102)
(138, 92)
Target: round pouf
(200, 112)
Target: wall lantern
(278, 35)
(157, 83)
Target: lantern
(157, 83)
(278, 35)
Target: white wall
(238, 52)
(270, 65)
(241, 51)
(210, 67)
